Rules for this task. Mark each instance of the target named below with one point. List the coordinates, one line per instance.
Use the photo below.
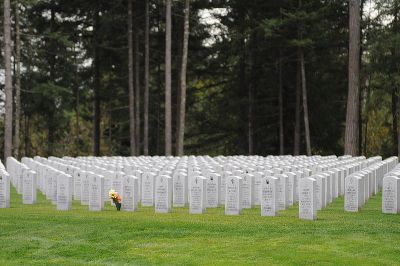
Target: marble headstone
(269, 196)
(213, 190)
(390, 194)
(233, 195)
(148, 184)
(131, 193)
(4, 190)
(163, 194)
(96, 186)
(64, 192)
(307, 199)
(198, 190)
(29, 188)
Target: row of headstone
(391, 191)
(4, 187)
(274, 183)
(363, 184)
(212, 193)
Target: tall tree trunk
(8, 81)
(280, 99)
(17, 81)
(26, 135)
(137, 89)
(27, 114)
(304, 88)
(78, 129)
(179, 48)
(250, 119)
(297, 125)
(362, 92)
(305, 105)
(168, 126)
(50, 135)
(96, 87)
(352, 115)
(182, 102)
(130, 82)
(367, 102)
(395, 93)
(395, 97)
(52, 77)
(146, 82)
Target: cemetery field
(40, 235)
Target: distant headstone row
(271, 183)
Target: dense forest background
(245, 88)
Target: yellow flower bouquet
(116, 198)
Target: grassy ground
(40, 235)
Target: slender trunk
(159, 101)
(280, 99)
(168, 128)
(296, 148)
(367, 101)
(304, 88)
(17, 81)
(179, 48)
(26, 135)
(182, 103)
(8, 81)
(395, 117)
(362, 89)
(305, 106)
(130, 81)
(52, 77)
(251, 88)
(352, 114)
(78, 129)
(27, 115)
(395, 53)
(96, 87)
(250, 119)
(146, 82)
(50, 135)
(137, 91)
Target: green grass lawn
(40, 235)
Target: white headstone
(55, 173)
(225, 175)
(117, 182)
(213, 189)
(29, 188)
(269, 196)
(292, 186)
(77, 185)
(85, 187)
(64, 192)
(180, 189)
(96, 193)
(390, 194)
(4, 190)
(352, 194)
(247, 191)
(307, 199)
(148, 181)
(233, 196)
(320, 190)
(197, 201)
(131, 193)
(258, 176)
(163, 194)
(283, 191)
